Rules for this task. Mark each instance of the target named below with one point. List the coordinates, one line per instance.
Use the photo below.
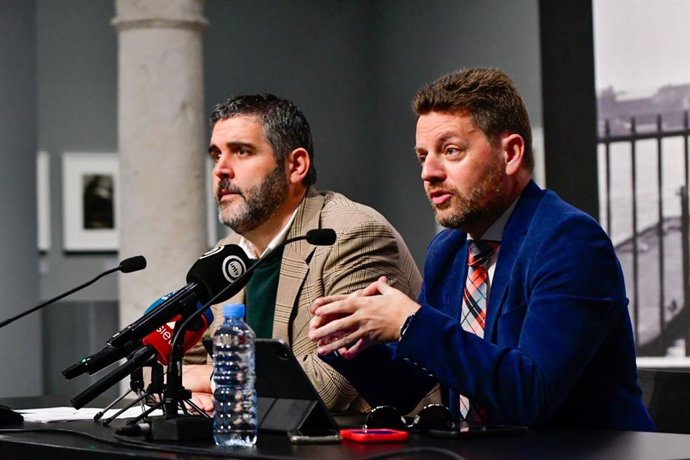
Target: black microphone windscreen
(321, 236)
(217, 268)
(133, 264)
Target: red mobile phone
(374, 435)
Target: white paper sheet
(58, 414)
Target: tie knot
(481, 251)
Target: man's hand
(204, 401)
(197, 379)
(350, 324)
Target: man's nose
(432, 169)
(223, 166)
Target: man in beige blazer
(263, 180)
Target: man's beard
(259, 203)
(474, 205)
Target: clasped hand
(351, 323)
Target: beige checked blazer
(366, 248)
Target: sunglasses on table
(431, 417)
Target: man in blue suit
(539, 333)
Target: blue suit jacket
(558, 348)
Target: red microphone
(161, 338)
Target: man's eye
(421, 159)
(452, 151)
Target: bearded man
(523, 315)
(263, 175)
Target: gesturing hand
(350, 324)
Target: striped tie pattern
(474, 301)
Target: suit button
(407, 360)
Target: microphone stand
(173, 427)
(137, 385)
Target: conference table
(88, 439)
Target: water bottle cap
(233, 310)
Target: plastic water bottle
(234, 373)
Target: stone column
(162, 145)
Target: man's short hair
(488, 95)
(285, 126)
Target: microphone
(316, 237)
(139, 358)
(129, 265)
(320, 237)
(132, 264)
(155, 345)
(209, 275)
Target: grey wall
(20, 342)
(77, 112)
(352, 66)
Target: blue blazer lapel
(449, 255)
(513, 236)
(459, 272)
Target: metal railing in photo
(652, 244)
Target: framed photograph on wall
(43, 200)
(90, 188)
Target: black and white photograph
(89, 201)
(642, 75)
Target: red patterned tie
(474, 301)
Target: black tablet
(287, 399)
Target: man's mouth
(438, 197)
(226, 194)
(225, 188)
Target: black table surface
(88, 439)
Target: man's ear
(513, 147)
(297, 165)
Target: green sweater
(260, 295)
